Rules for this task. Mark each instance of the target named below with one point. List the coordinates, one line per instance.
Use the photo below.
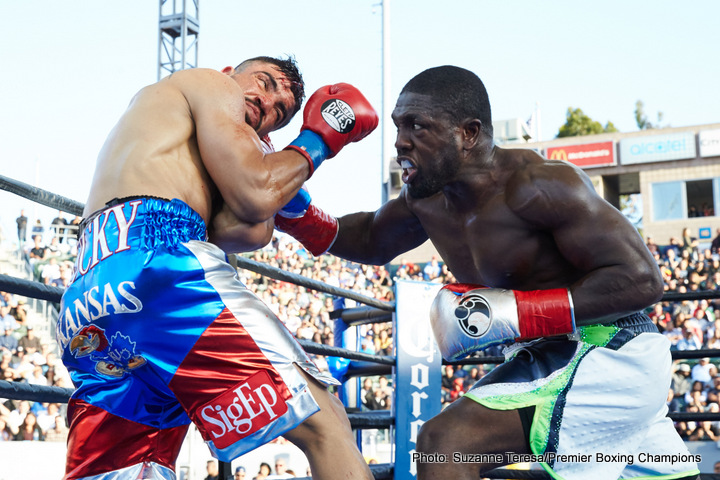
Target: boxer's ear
(471, 131)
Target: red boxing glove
(316, 230)
(334, 116)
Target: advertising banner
(600, 154)
(418, 373)
(657, 148)
(710, 143)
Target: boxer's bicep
(380, 236)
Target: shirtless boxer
(156, 329)
(563, 267)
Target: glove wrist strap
(545, 313)
(312, 147)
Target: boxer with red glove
(334, 116)
(466, 318)
(309, 225)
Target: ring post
(417, 375)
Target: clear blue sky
(69, 68)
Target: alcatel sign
(657, 148)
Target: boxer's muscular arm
(235, 236)
(253, 186)
(380, 236)
(621, 276)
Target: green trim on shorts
(671, 476)
(598, 335)
(545, 397)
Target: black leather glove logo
(338, 115)
(473, 314)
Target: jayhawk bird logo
(113, 357)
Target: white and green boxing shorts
(599, 403)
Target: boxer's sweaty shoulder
(494, 243)
(152, 150)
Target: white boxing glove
(466, 318)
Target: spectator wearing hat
(239, 473)
(681, 381)
(701, 371)
(29, 342)
(8, 341)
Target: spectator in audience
(714, 388)
(240, 473)
(386, 392)
(703, 431)
(689, 340)
(473, 376)
(681, 381)
(58, 432)
(212, 470)
(30, 342)
(37, 230)
(263, 471)
(8, 341)
(713, 336)
(447, 382)
(367, 346)
(431, 271)
(378, 401)
(689, 243)
(457, 390)
(38, 252)
(21, 229)
(36, 377)
(651, 245)
(5, 434)
(29, 429)
(57, 225)
(46, 417)
(660, 317)
(280, 470)
(701, 371)
(673, 403)
(715, 244)
(56, 249)
(696, 395)
(384, 343)
(17, 415)
(366, 393)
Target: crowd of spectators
(28, 359)
(688, 324)
(691, 325)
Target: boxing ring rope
(376, 311)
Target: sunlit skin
(503, 218)
(479, 203)
(195, 136)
